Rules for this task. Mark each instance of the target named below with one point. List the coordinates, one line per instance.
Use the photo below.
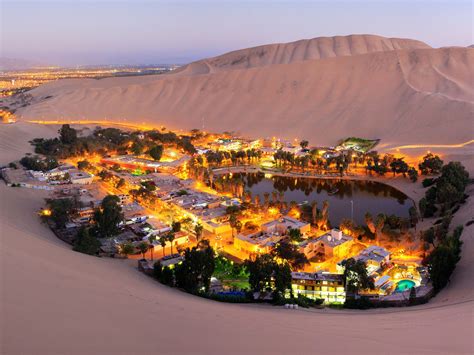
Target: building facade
(325, 286)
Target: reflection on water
(367, 196)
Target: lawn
(231, 274)
(359, 144)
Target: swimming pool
(404, 285)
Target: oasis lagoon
(347, 198)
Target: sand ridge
(403, 97)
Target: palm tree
(233, 222)
(314, 211)
(274, 196)
(211, 177)
(151, 240)
(162, 241)
(171, 239)
(238, 226)
(143, 247)
(248, 196)
(257, 202)
(176, 226)
(198, 231)
(266, 198)
(282, 197)
(126, 249)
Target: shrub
(428, 182)
(167, 276)
(86, 243)
(157, 268)
(359, 303)
(229, 298)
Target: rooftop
(260, 238)
(334, 238)
(317, 276)
(374, 252)
(287, 221)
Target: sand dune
(416, 96)
(14, 139)
(307, 49)
(56, 301)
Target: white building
(325, 286)
(80, 177)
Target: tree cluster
(265, 274)
(61, 210)
(36, 163)
(447, 191)
(108, 217)
(443, 259)
(356, 277)
(194, 273)
(85, 242)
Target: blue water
(404, 285)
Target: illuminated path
(87, 122)
(423, 146)
(144, 126)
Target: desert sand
(56, 301)
(400, 91)
(14, 139)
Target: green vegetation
(428, 182)
(231, 274)
(143, 248)
(304, 144)
(399, 166)
(127, 249)
(85, 242)
(102, 140)
(443, 259)
(359, 144)
(37, 163)
(431, 164)
(198, 229)
(84, 165)
(194, 273)
(217, 158)
(446, 191)
(67, 135)
(156, 152)
(287, 251)
(108, 217)
(356, 277)
(165, 275)
(413, 174)
(295, 235)
(265, 274)
(61, 210)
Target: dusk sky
(73, 32)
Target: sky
(80, 32)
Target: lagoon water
(367, 196)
